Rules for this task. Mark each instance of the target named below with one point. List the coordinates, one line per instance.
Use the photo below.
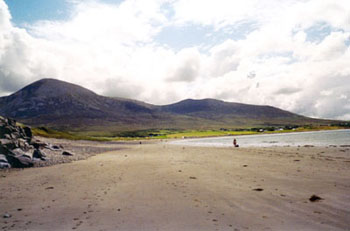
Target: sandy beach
(160, 186)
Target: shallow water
(318, 138)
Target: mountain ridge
(59, 104)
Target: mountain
(237, 114)
(58, 104)
(213, 109)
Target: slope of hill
(53, 102)
(63, 105)
(211, 108)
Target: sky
(291, 54)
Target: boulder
(7, 215)
(23, 144)
(39, 154)
(3, 162)
(3, 149)
(2, 121)
(53, 147)
(37, 144)
(5, 130)
(20, 152)
(11, 122)
(16, 135)
(3, 158)
(8, 144)
(67, 153)
(28, 133)
(4, 165)
(20, 161)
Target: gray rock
(37, 144)
(4, 165)
(3, 158)
(2, 121)
(39, 154)
(28, 132)
(5, 130)
(67, 153)
(16, 135)
(23, 144)
(3, 162)
(3, 149)
(20, 152)
(16, 147)
(11, 122)
(13, 136)
(9, 144)
(53, 147)
(20, 161)
(7, 215)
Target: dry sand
(168, 187)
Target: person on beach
(235, 143)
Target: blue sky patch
(29, 11)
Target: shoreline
(263, 133)
(256, 133)
(286, 140)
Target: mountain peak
(51, 88)
(54, 101)
(46, 96)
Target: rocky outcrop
(18, 149)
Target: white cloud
(15, 53)
(219, 13)
(92, 22)
(113, 50)
(186, 66)
(5, 17)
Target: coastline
(202, 134)
(285, 139)
(159, 186)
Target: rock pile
(18, 149)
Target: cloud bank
(291, 54)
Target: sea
(314, 138)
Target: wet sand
(168, 187)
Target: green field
(168, 133)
